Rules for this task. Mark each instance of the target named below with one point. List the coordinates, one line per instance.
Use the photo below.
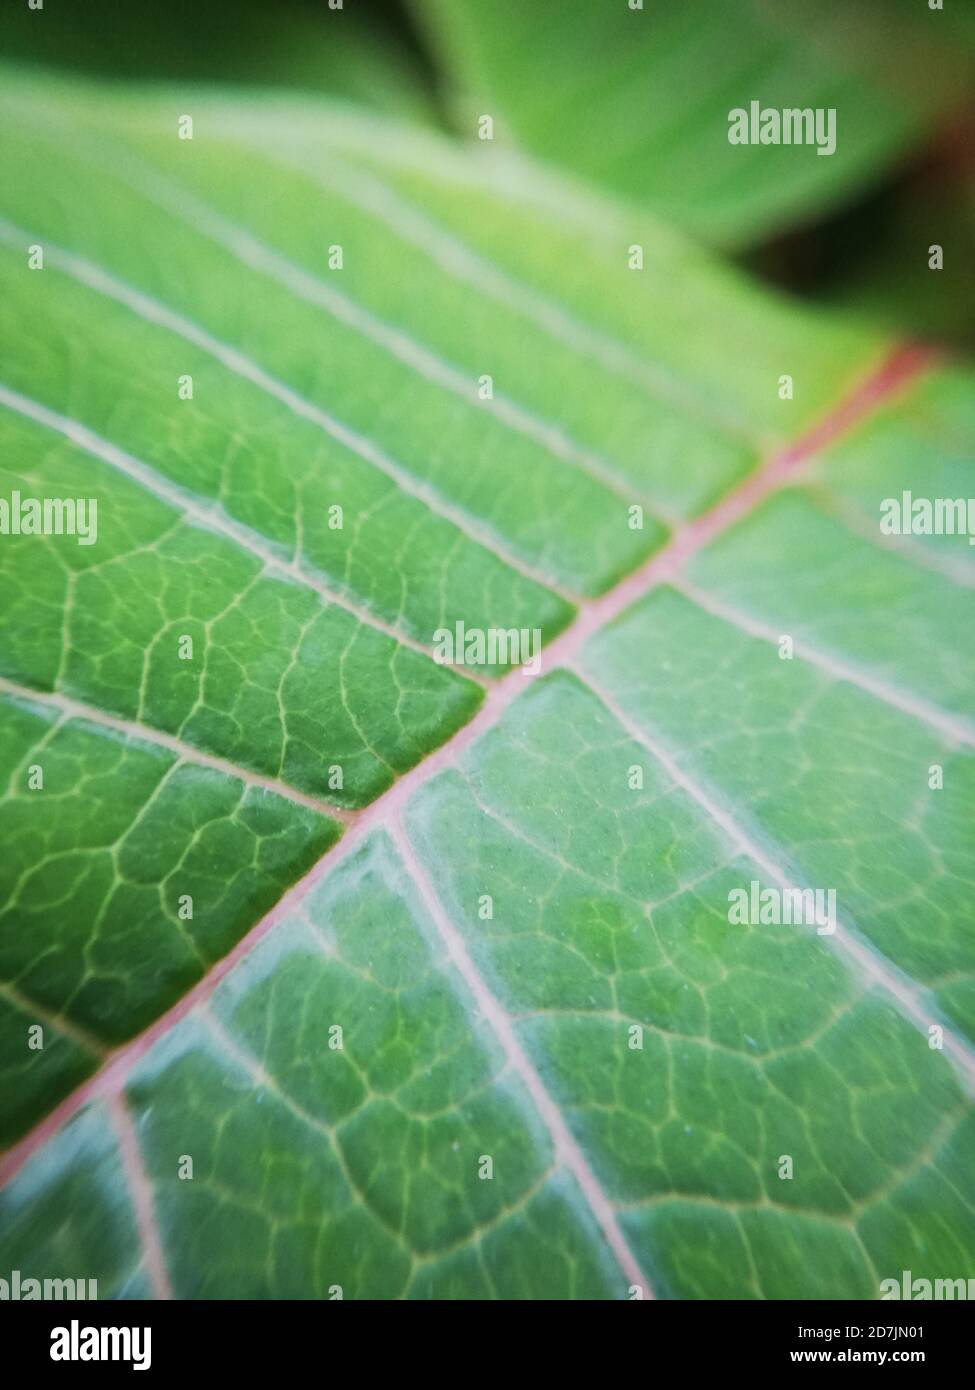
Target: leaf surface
(526, 948)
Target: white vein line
(76, 709)
(56, 1022)
(140, 1194)
(256, 254)
(567, 1150)
(257, 1073)
(95, 278)
(908, 548)
(875, 969)
(375, 197)
(955, 729)
(212, 517)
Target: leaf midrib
(894, 373)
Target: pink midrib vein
(899, 368)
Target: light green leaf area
(921, 444)
(655, 387)
(505, 1039)
(639, 99)
(611, 911)
(101, 1238)
(360, 1162)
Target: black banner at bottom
(169, 1338)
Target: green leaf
(503, 1039)
(309, 47)
(638, 100)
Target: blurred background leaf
(639, 100)
(889, 276)
(365, 52)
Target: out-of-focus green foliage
(638, 100)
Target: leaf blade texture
(465, 1036)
